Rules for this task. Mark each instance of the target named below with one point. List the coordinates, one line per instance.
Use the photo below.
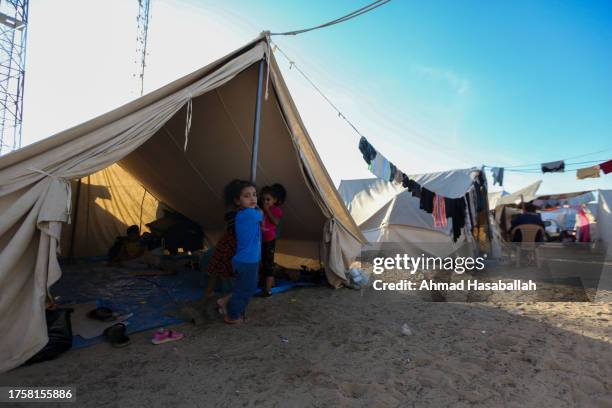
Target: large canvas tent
(388, 213)
(183, 143)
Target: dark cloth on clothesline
(553, 167)
(392, 172)
(606, 167)
(367, 150)
(427, 200)
(498, 175)
(469, 209)
(455, 209)
(480, 191)
(414, 188)
(398, 176)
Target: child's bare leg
(269, 283)
(222, 303)
(210, 287)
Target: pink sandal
(165, 336)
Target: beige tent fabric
(147, 138)
(109, 201)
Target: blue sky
(434, 85)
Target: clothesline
(557, 166)
(539, 169)
(526, 166)
(461, 210)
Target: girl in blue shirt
(248, 249)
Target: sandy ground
(345, 348)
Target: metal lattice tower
(144, 14)
(13, 36)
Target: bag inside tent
(174, 149)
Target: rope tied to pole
(268, 56)
(188, 121)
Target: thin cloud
(458, 84)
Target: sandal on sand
(116, 335)
(165, 336)
(103, 314)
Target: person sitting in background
(528, 217)
(129, 251)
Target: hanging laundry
(427, 200)
(606, 167)
(455, 209)
(471, 215)
(380, 167)
(414, 188)
(398, 176)
(587, 172)
(367, 150)
(480, 191)
(498, 175)
(392, 171)
(553, 167)
(469, 221)
(405, 181)
(583, 226)
(439, 212)
(472, 205)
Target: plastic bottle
(359, 279)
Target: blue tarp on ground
(152, 299)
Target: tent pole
(74, 222)
(257, 123)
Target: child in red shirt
(272, 198)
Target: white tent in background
(572, 199)
(604, 227)
(495, 196)
(388, 213)
(183, 143)
(525, 194)
(604, 216)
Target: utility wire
(525, 168)
(566, 169)
(539, 167)
(342, 19)
(569, 158)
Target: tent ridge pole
(255, 149)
